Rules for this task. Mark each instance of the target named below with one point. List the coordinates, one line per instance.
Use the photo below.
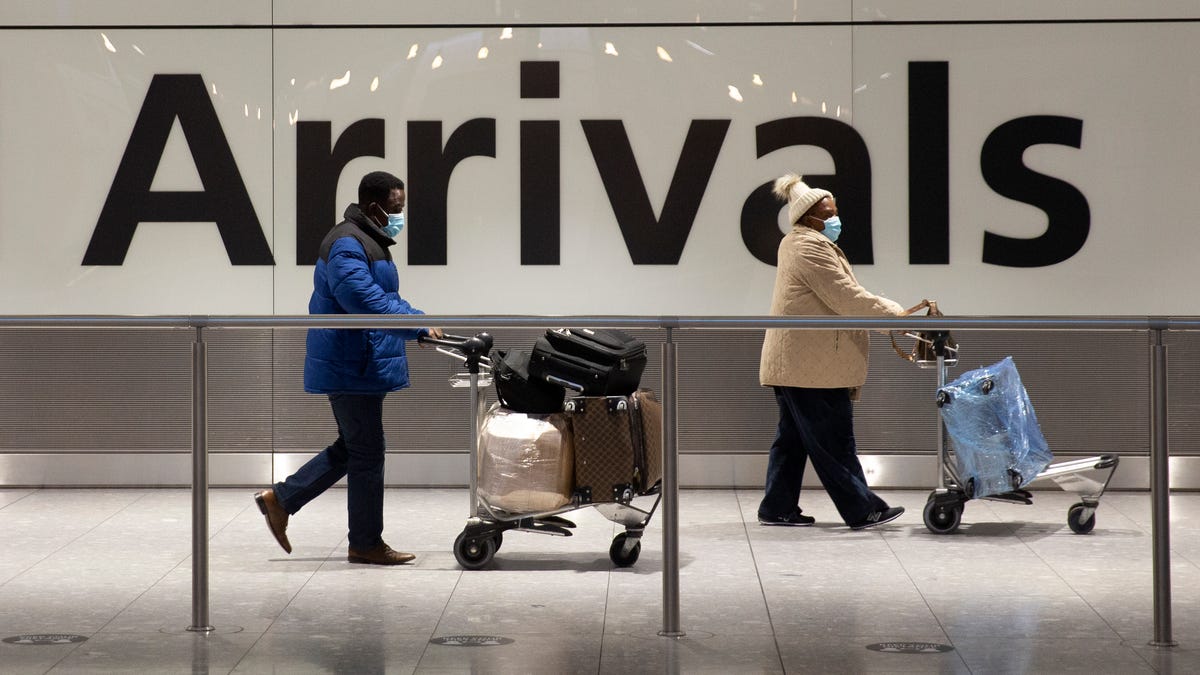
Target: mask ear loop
(373, 212)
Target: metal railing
(1154, 326)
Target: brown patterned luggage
(618, 445)
(651, 414)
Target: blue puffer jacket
(355, 275)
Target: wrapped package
(993, 430)
(526, 461)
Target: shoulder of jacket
(812, 243)
(363, 243)
(348, 243)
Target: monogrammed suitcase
(618, 445)
(650, 413)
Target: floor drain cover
(471, 640)
(45, 639)
(910, 647)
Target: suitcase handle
(564, 383)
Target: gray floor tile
(541, 653)
(696, 652)
(899, 652)
(1029, 617)
(31, 659)
(13, 495)
(157, 653)
(334, 650)
(1013, 591)
(987, 656)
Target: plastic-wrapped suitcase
(993, 430)
(618, 445)
(592, 362)
(526, 462)
(520, 392)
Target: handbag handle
(931, 305)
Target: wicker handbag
(927, 343)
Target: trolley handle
(477, 345)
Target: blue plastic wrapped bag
(993, 430)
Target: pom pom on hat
(800, 197)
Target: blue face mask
(833, 228)
(395, 224)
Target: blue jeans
(358, 454)
(817, 425)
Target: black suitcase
(591, 362)
(518, 391)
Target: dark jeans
(817, 425)
(358, 454)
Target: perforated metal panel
(95, 390)
(128, 392)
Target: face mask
(833, 228)
(395, 224)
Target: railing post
(1160, 491)
(670, 494)
(200, 622)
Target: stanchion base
(672, 634)
(1156, 643)
(202, 630)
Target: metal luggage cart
(1087, 476)
(484, 532)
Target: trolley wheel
(617, 551)
(1075, 519)
(474, 555)
(499, 539)
(942, 518)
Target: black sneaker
(793, 519)
(878, 518)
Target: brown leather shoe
(380, 555)
(276, 517)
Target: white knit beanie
(800, 197)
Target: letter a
(223, 201)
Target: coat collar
(357, 216)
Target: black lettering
(539, 79)
(850, 183)
(929, 163)
(540, 193)
(318, 168)
(1004, 170)
(541, 206)
(429, 169)
(650, 240)
(223, 201)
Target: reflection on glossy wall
(148, 166)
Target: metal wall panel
(125, 394)
(95, 390)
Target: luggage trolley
(483, 534)
(943, 511)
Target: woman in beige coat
(817, 373)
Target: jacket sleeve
(354, 287)
(819, 266)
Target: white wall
(74, 77)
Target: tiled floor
(1014, 591)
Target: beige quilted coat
(814, 279)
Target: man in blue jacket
(355, 368)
